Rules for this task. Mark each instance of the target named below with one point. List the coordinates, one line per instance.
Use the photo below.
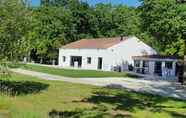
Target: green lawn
(76, 73)
(28, 97)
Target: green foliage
(50, 27)
(105, 19)
(14, 26)
(176, 48)
(126, 20)
(4, 71)
(163, 19)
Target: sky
(93, 2)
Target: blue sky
(126, 2)
(93, 2)
(35, 2)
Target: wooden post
(180, 72)
(163, 69)
(184, 74)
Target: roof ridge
(95, 43)
(102, 38)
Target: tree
(162, 19)
(105, 20)
(127, 20)
(59, 23)
(14, 27)
(177, 47)
(51, 27)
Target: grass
(80, 101)
(76, 73)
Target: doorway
(100, 61)
(145, 69)
(157, 68)
(76, 61)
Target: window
(168, 65)
(137, 63)
(76, 61)
(146, 64)
(158, 68)
(64, 58)
(88, 60)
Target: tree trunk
(184, 68)
(180, 71)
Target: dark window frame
(137, 63)
(64, 58)
(169, 65)
(89, 60)
(100, 63)
(146, 64)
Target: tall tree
(161, 19)
(105, 17)
(127, 20)
(14, 28)
(52, 25)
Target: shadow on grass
(118, 103)
(130, 100)
(15, 88)
(122, 100)
(99, 111)
(177, 115)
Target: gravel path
(157, 87)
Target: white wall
(131, 47)
(117, 55)
(93, 53)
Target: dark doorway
(157, 68)
(100, 61)
(74, 59)
(184, 72)
(145, 68)
(180, 71)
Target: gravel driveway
(157, 87)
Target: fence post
(184, 68)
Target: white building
(103, 53)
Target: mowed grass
(37, 98)
(76, 73)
